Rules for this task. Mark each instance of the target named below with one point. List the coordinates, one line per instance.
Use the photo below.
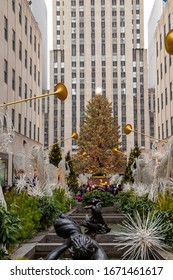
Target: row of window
(36, 75)
(163, 70)
(166, 129)
(162, 36)
(32, 129)
(166, 98)
(6, 35)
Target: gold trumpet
(74, 136)
(128, 129)
(169, 42)
(60, 92)
(115, 150)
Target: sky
(148, 4)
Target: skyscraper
(20, 78)
(163, 75)
(98, 47)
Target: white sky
(148, 4)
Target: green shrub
(128, 202)
(48, 210)
(26, 209)
(9, 227)
(106, 198)
(167, 218)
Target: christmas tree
(99, 134)
(72, 178)
(55, 155)
(135, 153)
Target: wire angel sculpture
(6, 130)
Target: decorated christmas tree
(55, 155)
(99, 134)
(72, 178)
(135, 153)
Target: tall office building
(163, 75)
(155, 15)
(20, 78)
(98, 47)
(39, 10)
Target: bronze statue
(79, 245)
(95, 224)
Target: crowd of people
(113, 189)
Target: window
(161, 73)
(158, 107)
(13, 40)
(13, 79)
(26, 58)
(169, 22)
(34, 131)
(20, 14)
(5, 71)
(19, 123)
(13, 5)
(170, 91)
(26, 91)
(30, 97)
(26, 25)
(160, 41)
(157, 49)
(25, 126)
(73, 50)
(20, 86)
(13, 117)
(114, 2)
(165, 64)
(38, 78)
(30, 35)
(35, 43)
(34, 72)
(5, 28)
(30, 129)
(38, 134)
(38, 50)
(20, 50)
(166, 97)
(30, 67)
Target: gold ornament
(169, 42)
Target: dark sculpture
(80, 246)
(95, 224)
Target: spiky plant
(142, 238)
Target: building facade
(39, 10)
(155, 15)
(163, 76)
(98, 47)
(20, 78)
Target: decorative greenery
(72, 178)
(36, 213)
(128, 201)
(26, 209)
(55, 155)
(106, 198)
(135, 153)
(9, 227)
(99, 134)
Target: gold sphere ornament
(169, 42)
(128, 129)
